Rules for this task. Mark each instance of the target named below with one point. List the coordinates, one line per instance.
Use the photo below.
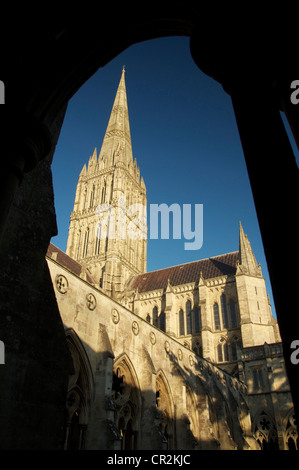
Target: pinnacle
(118, 134)
(246, 256)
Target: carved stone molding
(61, 283)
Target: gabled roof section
(208, 268)
(66, 261)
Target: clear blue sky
(185, 140)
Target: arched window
(148, 318)
(265, 432)
(155, 316)
(224, 311)
(226, 352)
(233, 315)
(77, 399)
(162, 321)
(292, 432)
(85, 246)
(165, 406)
(196, 312)
(216, 316)
(92, 197)
(98, 240)
(181, 323)
(258, 379)
(188, 317)
(79, 243)
(127, 399)
(219, 353)
(103, 196)
(85, 197)
(223, 351)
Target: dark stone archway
(50, 56)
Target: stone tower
(108, 230)
(257, 323)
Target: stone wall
(199, 396)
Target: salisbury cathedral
(187, 357)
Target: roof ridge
(189, 262)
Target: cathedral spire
(247, 261)
(99, 238)
(117, 145)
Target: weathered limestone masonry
(204, 406)
(184, 357)
(111, 179)
(263, 368)
(34, 378)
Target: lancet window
(164, 414)
(91, 202)
(125, 394)
(85, 244)
(224, 311)
(292, 433)
(159, 321)
(78, 396)
(182, 322)
(155, 316)
(189, 321)
(227, 351)
(98, 240)
(188, 317)
(223, 352)
(216, 316)
(226, 317)
(265, 432)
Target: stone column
(34, 377)
(248, 67)
(273, 175)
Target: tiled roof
(184, 273)
(65, 260)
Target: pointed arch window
(165, 405)
(224, 311)
(98, 240)
(226, 352)
(292, 433)
(196, 312)
(103, 193)
(92, 197)
(182, 322)
(85, 245)
(216, 316)
(265, 432)
(223, 351)
(84, 197)
(162, 321)
(79, 244)
(189, 321)
(155, 316)
(219, 353)
(258, 379)
(188, 318)
(126, 397)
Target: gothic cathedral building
(187, 357)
